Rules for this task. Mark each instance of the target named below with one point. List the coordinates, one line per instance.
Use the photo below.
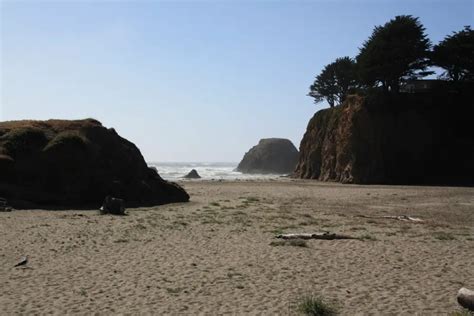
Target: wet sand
(217, 254)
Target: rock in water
(466, 298)
(60, 163)
(193, 174)
(271, 155)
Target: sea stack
(270, 156)
(193, 174)
(61, 163)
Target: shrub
(23, 140)
(368, 237)
(67, 138)
(462, 312)
(290, 242)
(316, 306)
(444, 236)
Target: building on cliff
(422, 86)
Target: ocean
(207, 171)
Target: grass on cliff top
(55, 125)
(67, 138)
(16, 136)
(22, 134)
(20, 139)
(327, 119)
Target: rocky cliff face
(76, 164)
(404, 139)
(271, 155)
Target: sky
(189, 80)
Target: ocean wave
(207, 170)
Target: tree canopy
(395, 52)
(455, 54)
(333, 83)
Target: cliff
(59, 163)
(422, 138)
(270, 155)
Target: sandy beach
(218, 253)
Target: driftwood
(400, 218)
(113, 205)
(466, 298)
(22, 262)
(325, 236)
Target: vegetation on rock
(66, 139)
(60, 163)
(395, 53)
(455, 54)
(23, 139)
(404, 138)
(334, 82)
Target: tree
(455, 54)
(395, 52)
(334, 82)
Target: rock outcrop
(59, 163)
(271, 155)
(402, 139)
(193, 174)
(113, 206)
(465, 298)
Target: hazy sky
(188, 80)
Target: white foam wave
(207, 170)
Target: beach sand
(218, 253)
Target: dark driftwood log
(466, 298)
(113, 206)
(325, 236)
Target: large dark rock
(76, 163)
(465, 298)
(423, 138)
(112, 205)
(271, 155)
(4, 206)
